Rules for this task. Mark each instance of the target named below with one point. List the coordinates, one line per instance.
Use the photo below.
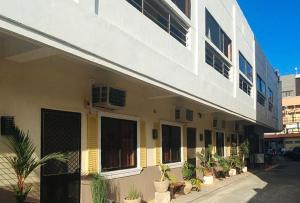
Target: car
(295, 154)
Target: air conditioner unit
(108, 97)
(219, 124)
(183, 115)
(236, 126)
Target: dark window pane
(118, 144)
(171, 144)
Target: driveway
(279, 185)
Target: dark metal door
(220, 143)
(61, 132)
(207, 138)
(191, 145)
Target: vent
(184, 115)
(7, 125)
(108, 97)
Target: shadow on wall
(8, 178)
(282, 184)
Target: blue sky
(276, 25)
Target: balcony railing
(216, 61)
(163, 17)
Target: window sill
(121, 173)
(175, 165)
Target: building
(290, 136)
(124, 85)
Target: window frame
(246, 66)
(181, 162)
(222, 35)
(121, 172)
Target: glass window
(217, 36)
(270, 95)
(171, 144)
(245, 67)
(118, 144)
(184, 6)
(164, 17)
(261, 85)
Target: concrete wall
(265, 70)
(63, 84)
(99, 35)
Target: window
(287, 93)
(171, 144)
(184, 6)
(245, 67)
(215, 60)
(289, 142)
(217, 36)
(118, 144)
(163, 17)
(261, 90)
(270, 99)
(245, 85)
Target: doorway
(61, 132)
(191, 145)
(220, 143)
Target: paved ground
(279, 185)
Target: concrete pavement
(279, 185)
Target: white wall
(124, 40)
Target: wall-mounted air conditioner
(219, 124)
(183, 115)
(108, 97)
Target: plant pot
(132, 201)
(161, 186)
(208, 180)
(232, 172)
(245, 169)
(187, 187)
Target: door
(207, 138)
(220, 143)
(61, 132)
(191, 145)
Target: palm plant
(207, 161)
(244, 151)
(24, 162)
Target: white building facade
(197, 57)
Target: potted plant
(234, 164)
(133, 196)
(206, 165)
(188, 173)
(224, 164)
(24, 162)
(99, 189)
(162, 185)
(244, 153)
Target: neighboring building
(123, 85)
(290, 136)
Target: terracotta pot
(208, 180)
(245, 169)
(161, 186)
(232, 172)
(187, 187)
(132, 201)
